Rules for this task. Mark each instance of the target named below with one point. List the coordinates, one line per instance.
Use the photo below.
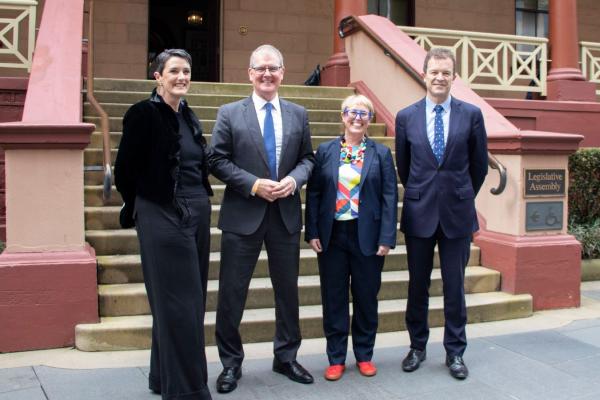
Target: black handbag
(315, 77)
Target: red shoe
(334, 372)
(367, 368)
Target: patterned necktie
(438, 136)
(269, 138)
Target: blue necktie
(438, 136)
(269, 138)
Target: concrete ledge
(590, 270)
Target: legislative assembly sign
(545, 182)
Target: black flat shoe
(413, 360)
(457, 367)
(227, 380)
(292, 370)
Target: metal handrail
(350, 24)
(107, 182)
(494, 163)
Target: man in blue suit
(441, 156)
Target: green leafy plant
(584, 186)
(589, 236)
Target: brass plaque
(545, 182)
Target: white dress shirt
(259, 105)
(430, 119)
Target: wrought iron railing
(17, 16)
(490, 61)
(590, 62)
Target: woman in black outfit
(162, 175)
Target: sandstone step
(134, 332)
(117, 110)
(216, 100)
(93, 175)
(108, 217)
(124, 241)
(146, 86)
(93, 195)
(93, 155)
(121, 269)
(316, 128)
(130, 299)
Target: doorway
(192, 25)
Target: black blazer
(238, 157)
(441, 194)
(378, 198)
(148, 157)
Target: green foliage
(589, 236)
(584, 186)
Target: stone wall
(301, 30)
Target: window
(531, 18)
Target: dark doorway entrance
(192, 25)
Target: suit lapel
(334, 154)
(422, 130)
(286, 122)
(254, 128)
(369, 155)
(455, 116)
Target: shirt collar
(429, 104)
(259, 102)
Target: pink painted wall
(553, 116)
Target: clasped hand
(272, 190)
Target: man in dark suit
(261, 149)
(441, 156)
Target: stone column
(565, 81)
(337, 70)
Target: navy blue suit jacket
(441, 195)
(378, 198)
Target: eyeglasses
(272, 69)
(361, 114)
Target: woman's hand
(315, 244)
(383, 250)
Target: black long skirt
(174, 245)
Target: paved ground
(552, 355)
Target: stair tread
(128, 259)
(306, 312)
(129, 289)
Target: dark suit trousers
(340, 266)
(239, 254)
(454, 256)
(174, 248)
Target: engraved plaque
(544, 216)
(544, 182)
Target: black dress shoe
(413, 360)
(292, 370)
(227, 380)
(457, 367)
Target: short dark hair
(161, 60)
(439, 53)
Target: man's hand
(265, 188)
(284, 188)
(383, 250)
(315, 244)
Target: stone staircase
(125, 317)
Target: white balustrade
(590, 62)
(17, 16)
(490, 61)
